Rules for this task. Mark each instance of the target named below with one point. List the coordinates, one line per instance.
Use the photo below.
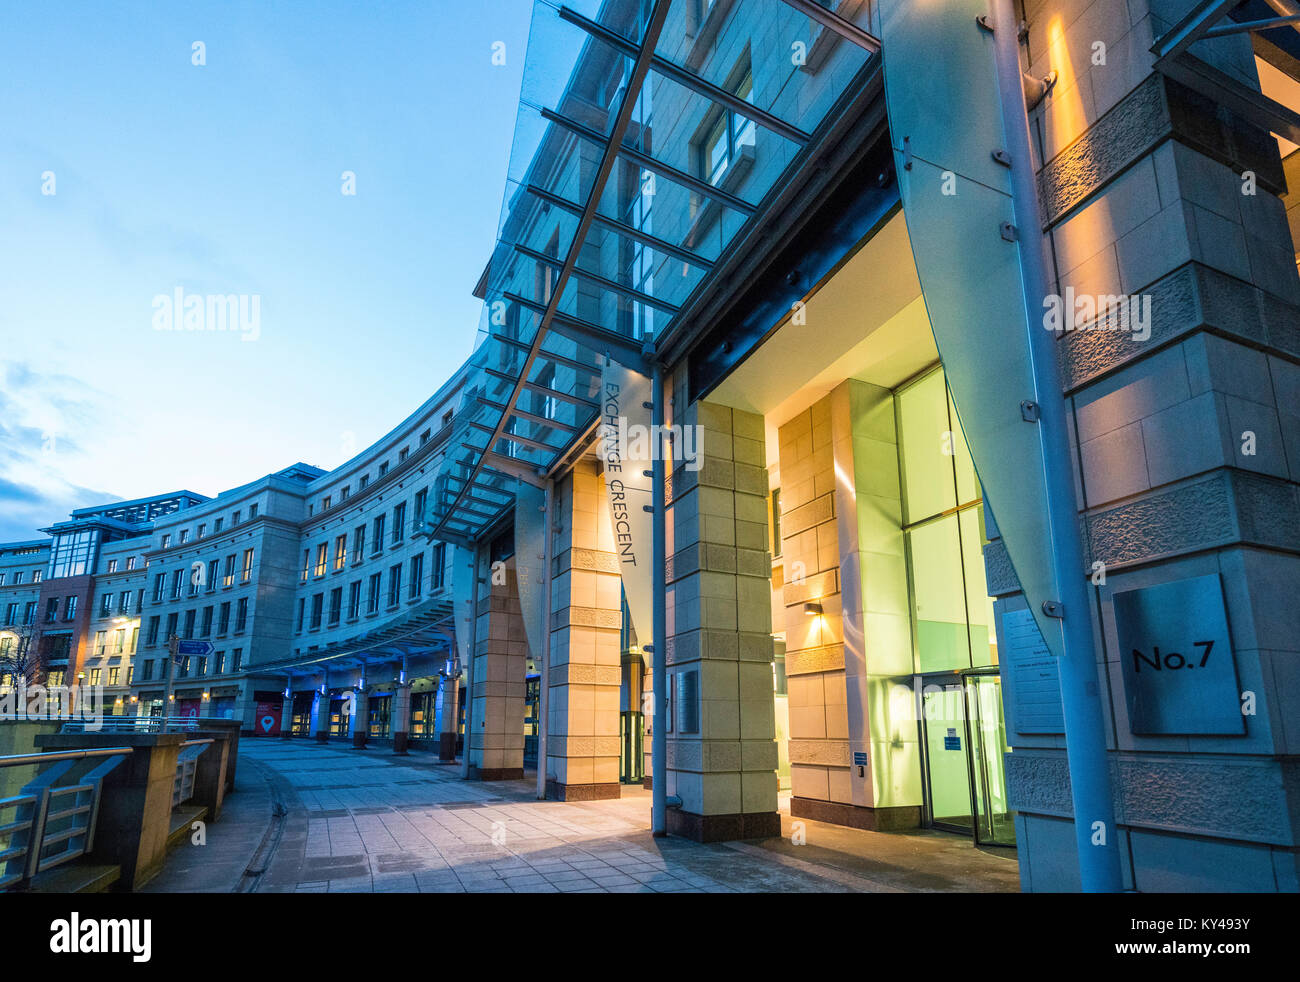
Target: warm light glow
(812, 609)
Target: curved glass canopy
(649, 135)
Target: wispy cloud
(47, 421)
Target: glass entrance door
(947, 753)
(987, 736)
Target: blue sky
(224, 179)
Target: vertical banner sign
(530, 564)
(945, 122)
(625, 447)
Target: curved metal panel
(945, 122)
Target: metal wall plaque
(1031, 679)
(1180, 676)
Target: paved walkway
(369, 821)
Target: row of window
(377, 529)
(18, 576)
(203, 577)
(114, 676)
(345, 492)
(374, 591)
(69, 605)
(130, 564)
(127, 601)
(119, 643)
(29, 613)
(200, 622)
(183, 536)
(199, 664)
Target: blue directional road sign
(194, 648)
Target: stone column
(586, 617)
(842, 546)
(450, 712)
(722, 753)
(286, 712)
(400, 723)
(496, 745)
(323, 712)
(361, 717)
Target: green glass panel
(938, 596)
(983, 639)
(927, 443)
(948, 755)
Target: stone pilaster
(722, 754)
(586, 614)
(496, 746)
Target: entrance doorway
(964, 737)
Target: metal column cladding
(530, 565)
(954, 96)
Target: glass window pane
(968, 488)
(983, 638)
(938, 597)
(927, 449)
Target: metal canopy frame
(473, 499)
(1206, 21)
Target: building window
(203, 665)
(394, 584)
(223, 621)
(365, 480)
(130, 562)
(346, 493)
(228, 578)
(241, 614)
(105, 605)
(399, 522)
(216, 525)
(417, 575)
(439, 563)
(203, 529)
(401, 455)
(447, 417)
(234, 519)
(302, 611)
(124, 602)
(166, 541)
(252, 511)
(18, 578)
(151, 637)
(237, 659)
(317, 607)
(185, 536)
(70, 608)
(372, 595)
(96, 675)
(336, 604)
(205, 631)
(776, 522)
(113, 675)
(322, 552)
(101, 640)
(112, 568)
(358, 543)
(247, 573)
(146, 670)
(159, 585)
(188, 632)
(218, 662)
(383, 468)
(214, 565)
(172, 618)
(340, 551)
(425, 437)
(51, 610)
(377, 540)
(119, 640)
(728, 137)
(176, 583)
(354, 599)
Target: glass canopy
(649, 135)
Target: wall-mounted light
(205, 697)
(812, 609)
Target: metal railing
(49, 825)
(135, 724)
(187, 763)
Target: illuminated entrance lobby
(879, 600)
